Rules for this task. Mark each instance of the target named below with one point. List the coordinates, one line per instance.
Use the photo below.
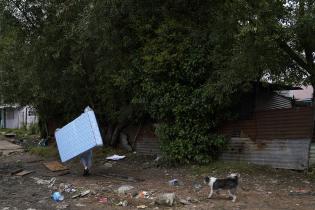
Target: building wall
(280, 138)
(18, 117)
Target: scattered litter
(158, 158)
(23, 173)
(197, 186)
(43, 143)
(16, 171)
(103, 200)
(174, 182)
(115, 157)
(62, 206)
(141, 207)
(167, 199)
(66, 188)
(185, 202)
(82, 194)
(50, 182)
(57, 196)
(123, 203)
(108, 165)
(80, 205)
(143, 194)
(301, 192)
(55, 166)
(124, 189)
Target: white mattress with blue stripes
(78, 136)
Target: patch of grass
(45, 152)
(222, 167)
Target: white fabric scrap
(115, 157)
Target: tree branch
(300, 61)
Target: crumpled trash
(184, 202)
(124, 189)
(49, 182)
(57, 196)
(197, 186)
(141, 207)
(143, 194)
(122, 203)
(167, 199)
(174, 182)
(66, 188)
(115, 157)
(81, 194)
(103, 200)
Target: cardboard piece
(23, 173)
(55, 166)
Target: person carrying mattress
(86, 157)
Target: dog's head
(234, 175)
(209, 180)
(206, 180)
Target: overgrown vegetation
(180, 63)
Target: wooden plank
(23, 173)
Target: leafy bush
(181, 146)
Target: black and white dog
(230, 183)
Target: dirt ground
(260, 188)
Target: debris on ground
(124, 189)
(143, 194)
(67, 188)
(81, 194)
(55, 166)
(23, 173)
(80, 205)
(57, 196)
(84, 193)
(16, 171)
(174, 182)
(62, 206)
(301, 192)
(49, 182)
(108, 165)
(167, 199)
(141, 207)
(184, 202)
(197, 187)
(103, 200)
(115, 157)
(122, 203)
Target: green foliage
(183, 64)
(189, 145)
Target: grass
(45, 152)
(21, 133)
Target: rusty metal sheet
(277, 153)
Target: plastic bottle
(56, 196)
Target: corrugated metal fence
(279, 138)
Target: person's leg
(89, 159)
(86, 161)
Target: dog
(230, 183)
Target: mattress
(78, 136)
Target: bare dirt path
(260, 188)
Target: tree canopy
(181, 63)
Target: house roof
(305, 94)
(9, 106)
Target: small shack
(276, 130)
